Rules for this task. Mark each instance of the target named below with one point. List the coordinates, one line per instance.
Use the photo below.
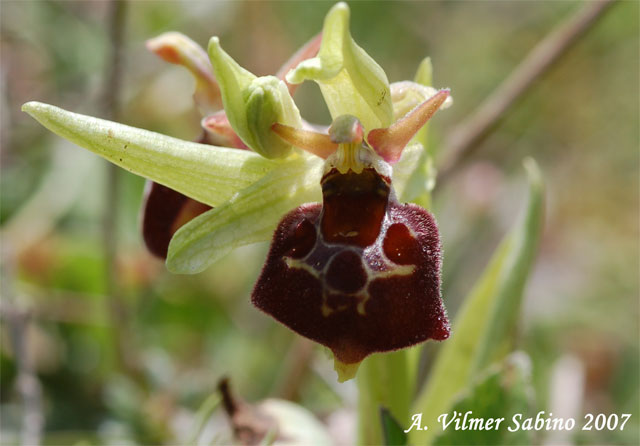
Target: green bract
(352, 83)
(253, 104)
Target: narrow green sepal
(206, 173)
(424, 73)
(250, 216)
(253, 104)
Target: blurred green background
(140, 377)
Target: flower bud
(176, 48)
(253, 104)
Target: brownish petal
(319, 144)
(356, 296)
(164, 210)
(390, 142)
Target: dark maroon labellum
(359, 273)
(164, 212)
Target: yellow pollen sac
(351, 157)
(352, 152)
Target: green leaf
(204, 415)
(253, 104)
(394, 434)
(494, 301)
(351, 82)
(501, 393)
(206, 173)
(249, 216)
(506, 305)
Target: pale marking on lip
(298, 264)
(363, 296)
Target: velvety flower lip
(359, 273)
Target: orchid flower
(350, 265)
(165, 210)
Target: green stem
(385, 380)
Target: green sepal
(250, 216)
(206, 173)
(253, 104)
(404, 172)
(351, 82)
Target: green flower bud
(253, 104)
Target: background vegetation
(130, 357)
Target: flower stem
(385, 380)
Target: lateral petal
(389, 142)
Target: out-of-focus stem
(17, 320)
(27, 382)
(117, 10)
(464, 138)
